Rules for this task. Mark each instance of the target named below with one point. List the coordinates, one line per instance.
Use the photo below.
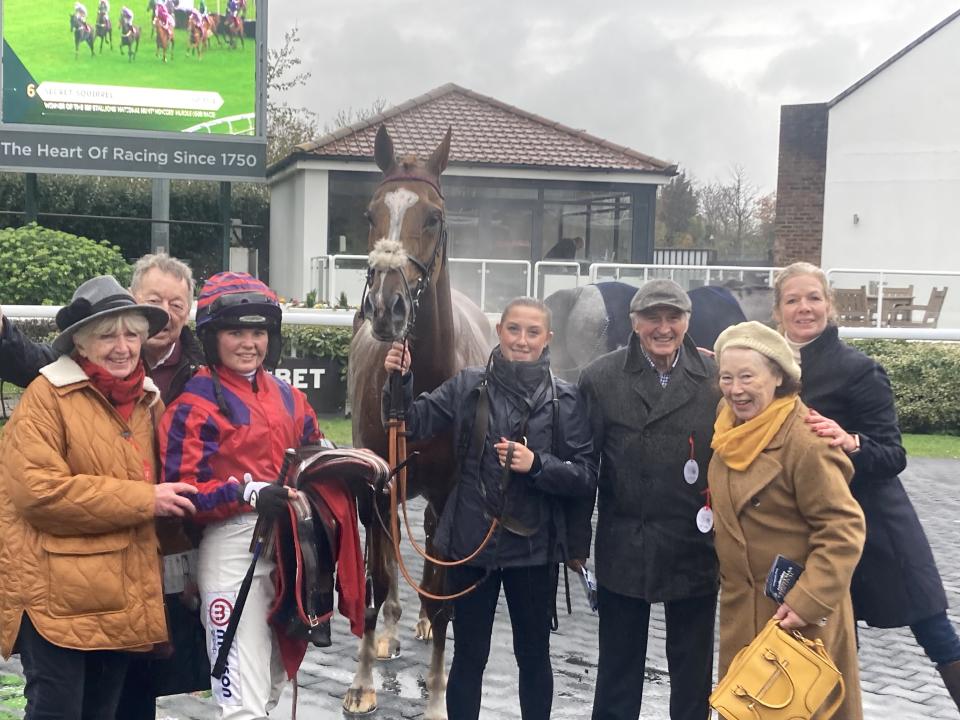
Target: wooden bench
(851, 306)
(902, 315)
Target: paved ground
(898, 682)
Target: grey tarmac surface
(898, 681)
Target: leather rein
(397, 424)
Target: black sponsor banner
(319, 379)
(104, 154)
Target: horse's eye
(431, 221)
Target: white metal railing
(709, 272)
(484, 269)
(294, 316)
(344, 318)
(246, 120)
(351, 281)
(559, 280)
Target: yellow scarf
(739, 445)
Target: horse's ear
(383, 151)
(438, 160)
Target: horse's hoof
(388, 649)
(359, 702)
(424, 630)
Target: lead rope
(397, 448)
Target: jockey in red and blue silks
(104, 7)
(226, 434)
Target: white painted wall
(893, 160)
(892, 190)
(298, 229)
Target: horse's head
(407, 240)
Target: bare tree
(733, 215)
(287, 125)
(349, 116)
(741, 197)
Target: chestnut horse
(165, 38)
(408, 296)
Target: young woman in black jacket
(536, 421)
(851, 401)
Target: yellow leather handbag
(779, 676)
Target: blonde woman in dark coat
(851, 401)
(778, 489)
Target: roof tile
(485, 132)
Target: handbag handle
(771, 657)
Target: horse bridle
(426, 269)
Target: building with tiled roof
(518, 187)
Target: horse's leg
(361, 697)
(437, 616)
(388, 640)
(424, 629)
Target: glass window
(350, 192)
(590, 226)
(498, 219)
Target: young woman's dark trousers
(529, 594)
(64, 684)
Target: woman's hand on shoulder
(789, 620)
(398, 358)
(169, 500)
(827, 428)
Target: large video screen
(184, 66)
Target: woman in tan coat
(79, 564)
(778, 489)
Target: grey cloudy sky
(697, 82)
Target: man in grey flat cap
(652, 406)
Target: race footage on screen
(174, 66)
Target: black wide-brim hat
(98, 298)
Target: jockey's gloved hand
(266, 498)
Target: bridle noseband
(426, 269)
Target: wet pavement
(898, 681)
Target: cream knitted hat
(765, 340)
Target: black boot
(951, 678)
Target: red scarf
(122, 393)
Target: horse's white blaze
(398, 202)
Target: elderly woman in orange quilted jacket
(79, 571)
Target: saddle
(317, 550)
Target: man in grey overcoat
(652, 406)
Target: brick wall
(801, 172)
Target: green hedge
(318, 342)
(926, 382)
(41, 266)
